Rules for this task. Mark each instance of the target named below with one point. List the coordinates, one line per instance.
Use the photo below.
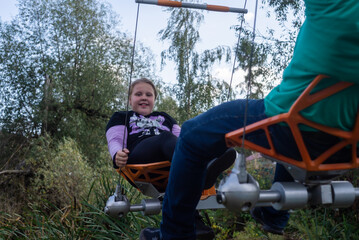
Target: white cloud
(225, 72)
(249, 17)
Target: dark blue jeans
(202, 139)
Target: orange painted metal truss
(155, 174)
(293, 119)
(208, 7)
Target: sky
(215, 29)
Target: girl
(148, 137)
(145, 136)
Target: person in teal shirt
(328, 43)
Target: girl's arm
(114, 136)
(176, 129)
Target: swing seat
(155, 174)
(151, 179)
(318, 165)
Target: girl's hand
(121, 157)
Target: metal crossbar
(208, 7)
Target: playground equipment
(314, 177)
(151, 180)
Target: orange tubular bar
(170, 3)
(293, 119)
(217, 8)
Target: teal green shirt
(328, 43)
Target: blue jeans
(202, 139)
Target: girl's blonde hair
(143, 80)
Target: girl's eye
(138, 94)
(149, 94)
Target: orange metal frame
(141, 173)
(293, 119)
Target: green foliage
(328, 223)
(324, 223)
(256, 59)
(251, 231)
(12, 149)
(196, 89)
(262, 170)
(283, 9)
(168, 105)
(65, 197)
(226, 224)
(62, 174)
(280, 37)
(13, 172)
(64, 70)
(83, 220)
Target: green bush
(263, 171)
(62, 174)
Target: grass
(85, 219)
(80, 220)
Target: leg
(154, 149)
(168, 145)
(201, 140)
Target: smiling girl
(147, 136)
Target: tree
(64, 70)
(196, 89)
(273, 49)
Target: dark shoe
(150, 234)
(218, 165)
(257, 215)
(203, 232)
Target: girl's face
(142, 99)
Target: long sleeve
(176, 129)
(114, 136)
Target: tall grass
(80, 220)
(325, 224)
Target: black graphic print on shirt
(147, 126)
